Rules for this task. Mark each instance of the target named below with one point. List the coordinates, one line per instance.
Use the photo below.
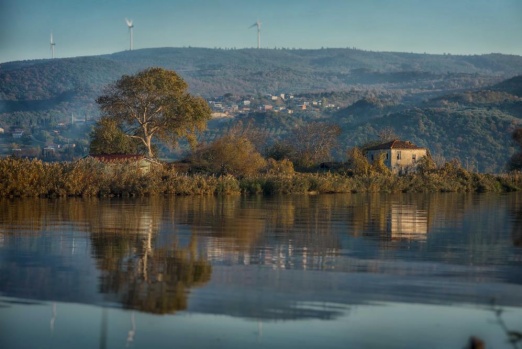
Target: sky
(94, 27)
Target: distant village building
(400, 156)
(49, 152)
(18, 133)
(16, 152)
(217, 115)
(66, 146)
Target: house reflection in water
(407, 222)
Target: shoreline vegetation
(91, 178)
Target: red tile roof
(395, 144)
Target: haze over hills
(457, 99)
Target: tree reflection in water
(135, 272)
(516, 215)
(151, 280)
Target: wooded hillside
(458, 106)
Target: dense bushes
(89, 177)
(231, 154)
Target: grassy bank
(90, 178)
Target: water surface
(332, 271)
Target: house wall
(401, 158)
(372, 155)
(397, 159)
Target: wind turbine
(258, 25)
(52, 44)
(130, 25)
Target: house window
(387, 156)
(372, 157)
(398, 155)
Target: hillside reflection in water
(280, 258)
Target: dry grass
(91, 178)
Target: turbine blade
(256, 24)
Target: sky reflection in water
(333, 271)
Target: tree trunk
(149, 147)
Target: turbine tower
(52, 44)
(258, 25)
(130, 25)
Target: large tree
(154, 103)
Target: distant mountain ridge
(70, 85)
(212, 72)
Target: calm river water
(326, 271)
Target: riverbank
(91, 178)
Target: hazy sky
(92, 27)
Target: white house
(399, 155)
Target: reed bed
(91, 178)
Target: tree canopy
(314, 142)
(108, 138)
(231, 154)
(154, 103)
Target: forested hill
(58, 88)
(458, 106)
(214, 72)
(512, 86)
